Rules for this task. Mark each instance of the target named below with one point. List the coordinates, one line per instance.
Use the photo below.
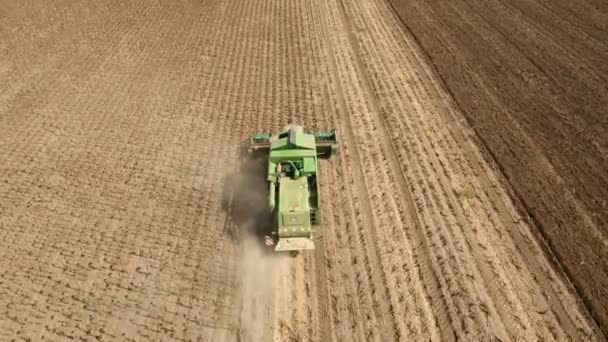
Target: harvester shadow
(245, 201)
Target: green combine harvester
(293, 183)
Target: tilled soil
(532, 79)
(125, 208)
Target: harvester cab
(293, 183)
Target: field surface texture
(126, 210)
(532, 79)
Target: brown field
(532, 79)
(120, 128)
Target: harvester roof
(293, 138)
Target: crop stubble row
(539, 71)
(114, 174)
(435, 218)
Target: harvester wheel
(268, 240)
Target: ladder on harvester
(313, 216)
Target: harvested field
(125, 208)
(532, 79)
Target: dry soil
(125, 209)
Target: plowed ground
(126, 211)
(532, 79)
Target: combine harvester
(293, 183)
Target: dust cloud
(261, 271)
